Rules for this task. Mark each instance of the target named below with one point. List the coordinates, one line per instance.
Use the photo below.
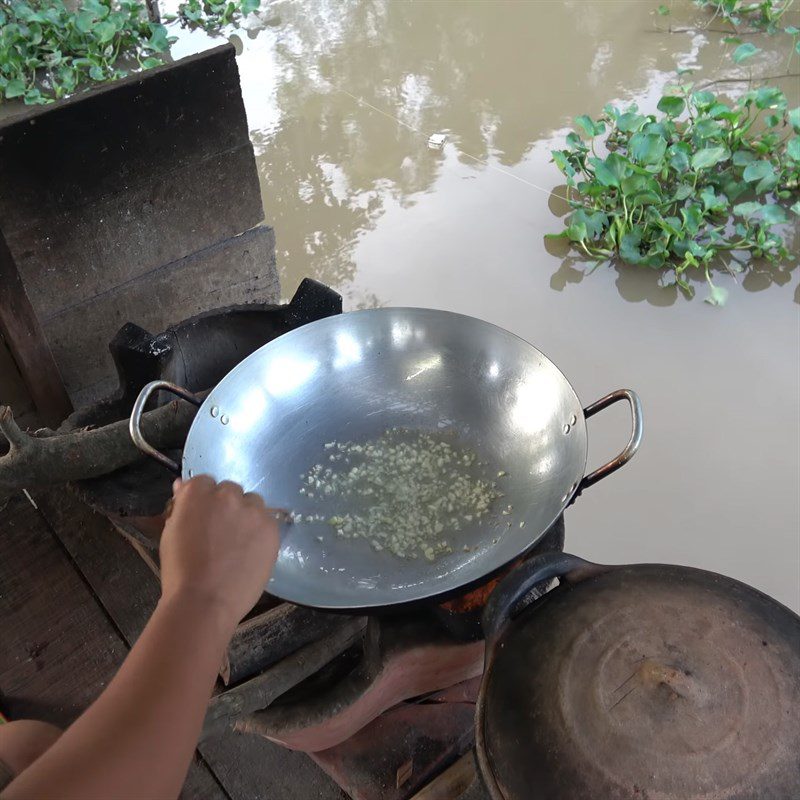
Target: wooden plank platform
(74, 596)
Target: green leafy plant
(210, 14)
(761, 15)
(698, 186)
(47, 49)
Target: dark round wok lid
(645, 681)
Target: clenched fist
(218, 544)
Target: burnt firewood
(267, 638)
(257, 693)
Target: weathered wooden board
(252, 768)
(267, 638)
(122, 582)
(12, 389)
(115, 204)
(58, 649)
(78, 158)
(20, 328)
(247, 766)
(129, 594)
(238, 270)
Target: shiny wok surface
(349, 378)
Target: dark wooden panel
(120, 579)
(12, 388)
(109, 184)
(118, 136)
(238, 270)
(123, 584)
(101, 189)
(20, 328)
(88, 251)
(252, 768)
(58, 648)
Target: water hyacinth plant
(700, 185)
(48, 49)
(761, 15)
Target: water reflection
(341, 99)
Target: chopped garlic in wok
(403, 492)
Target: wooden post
(23, 334)
(153, 11)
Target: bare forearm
(137, 739)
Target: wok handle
(633, 443)
(504, 602)
(135, 423)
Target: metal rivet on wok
(567, 428)
(214, 411)
(573, 419)
(224, 419)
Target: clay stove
(383, 704)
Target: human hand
(218, 545)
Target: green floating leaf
(629, 250)
(745, 51)
(630, 122)
(708, 157)
(703, 100)
(773, 214)
(746, 210)
(707, 129)
(561, 160)
(663, 10)
(692, 218)
(158, 41)
(794, 119)
(770, 97)
(713, 202)
(84, 21)
(793, 148)
(796, 208)
(679, 156)
(743, 157)
(104, 31)
(594, 223)
(671, 106)
(792, 30)
(757, 170)
(610, 171)
(15, 88)
(647, 148)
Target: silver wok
(352, 376)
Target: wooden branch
(259, 692)
(153, 11)
(46, 458)
(267, 638)
(753, 79)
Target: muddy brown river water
(341, 99)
